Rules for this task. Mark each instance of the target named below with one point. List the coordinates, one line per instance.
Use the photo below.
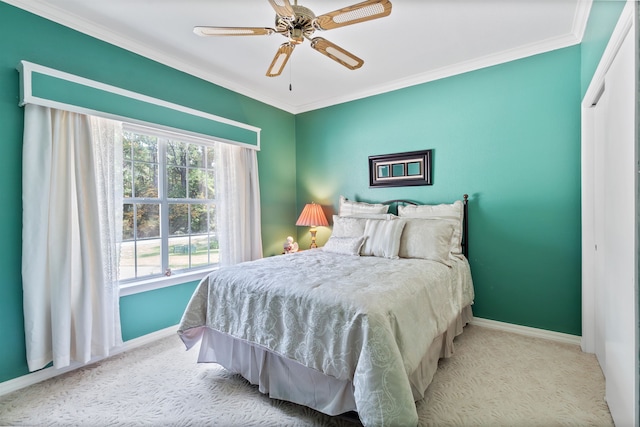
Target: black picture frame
(400, 169)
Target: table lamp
(313, 216)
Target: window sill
(162, 282)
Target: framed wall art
(400, 169)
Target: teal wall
(507, 135)
(163, 310)
(24, 36)
(602, 20)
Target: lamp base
(313, 232)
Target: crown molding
(451, 70)
(580, 19)
(77, 23)
(102, 33)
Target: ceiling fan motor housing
(299, 28)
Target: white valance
(56, 89)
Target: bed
(358, 325)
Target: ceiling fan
(298, 23)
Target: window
(168, 206)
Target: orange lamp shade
(312, 216)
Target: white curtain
(237, 204)
(69, 255)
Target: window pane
(145, 148)
(126, 146)
(127, 260)
(177, 153)
(210, 157)
(214, 256)
(198, 219)
(178, 219)
(196, 155)
(214, 253)
(146, 180)
(148, 219)
(177, 179)
(197, 184)
(127, 179)
(127, 221)
(200, 251)
(149, 257)
(211, 194)
(179, 253)
(212, 220)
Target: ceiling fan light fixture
(280, 60)
(336, 53)
(296, 36)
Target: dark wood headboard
(465, 219)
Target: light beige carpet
(494, 379)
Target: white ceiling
(422, 40)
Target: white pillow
(382, 238)
(348, 207)
(344, 245)
(426, 239)
(344, 226)
(451, 212)
(353, 226)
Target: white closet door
(599, 203)
(609, 221)
(618, 231)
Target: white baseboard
(525, 330)
(46, 373)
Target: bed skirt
(285, 379)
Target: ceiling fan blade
(283, 9)
(233, 31)
(280, 60)
(336, 53)
(365, 11)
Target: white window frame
(137, 285)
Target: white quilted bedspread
(366, 319)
